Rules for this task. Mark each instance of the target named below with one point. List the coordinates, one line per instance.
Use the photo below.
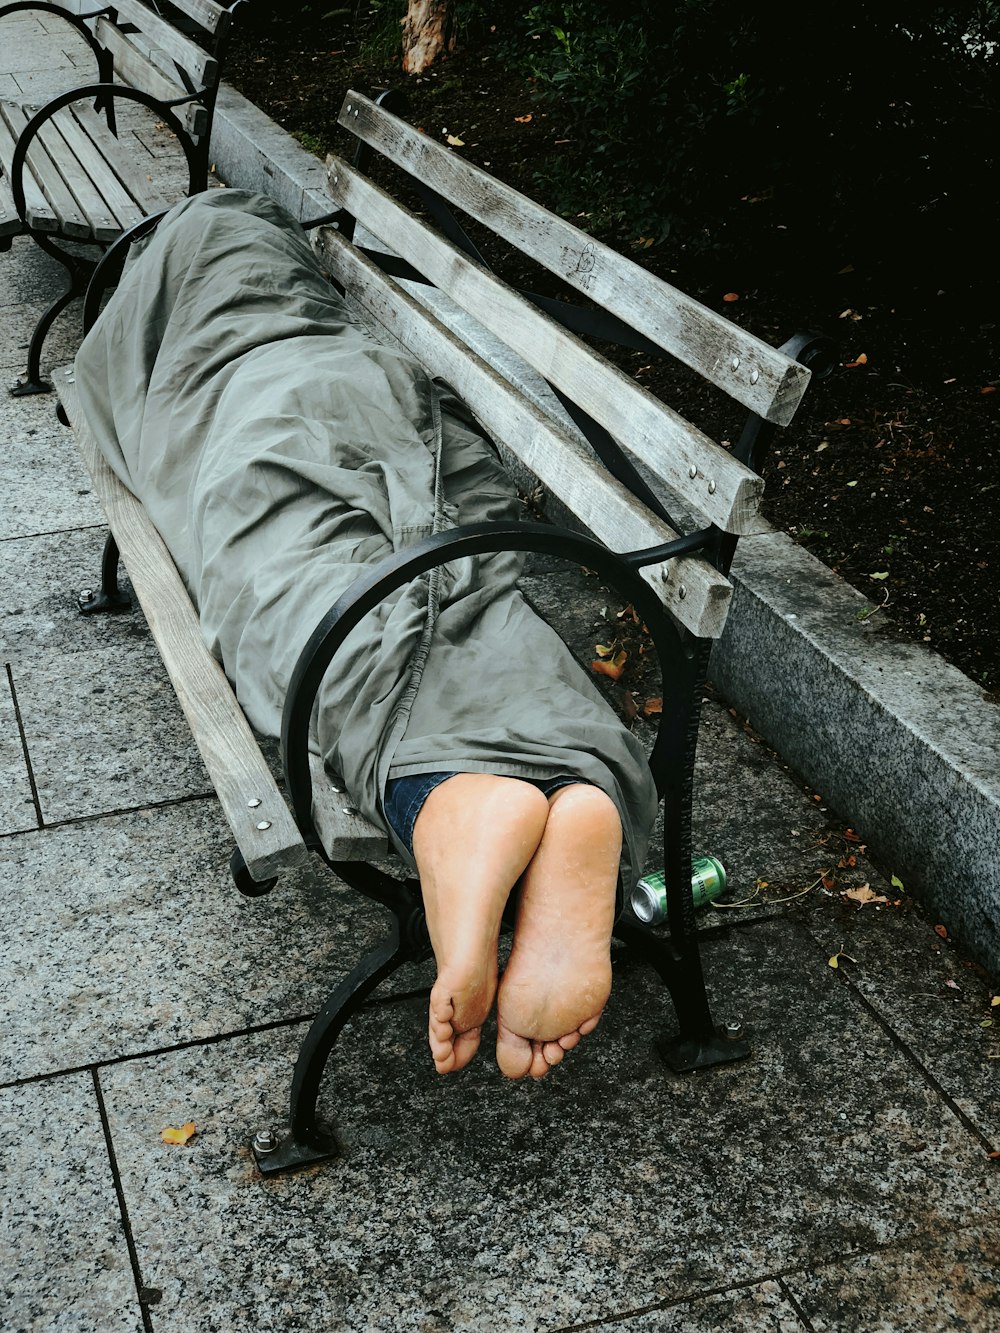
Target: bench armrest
(102, 93)
(441, 548)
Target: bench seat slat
(38, 208)
(231, 754)
(97, 154)
(690, 587)
(103, 224)
(748, 369)
(346, 835)
(10, 223)
(48, 159)
(128, 171)
(721, 488)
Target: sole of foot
(558, 978)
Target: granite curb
(901, 744)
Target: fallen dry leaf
(988, 388)
(182, 1135)
(731, 296)
(942, 931)
(612, 667)
(993, 1156)
(952, 985)
(864, 893)
(862, 360)
(652, 706)
(835, 960)
(455, 141)
(522, 120)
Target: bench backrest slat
(689, 587)
(748, 369)
(201, 67)
(213, 18)
(136, 69)
(227, 744)
(691, 465)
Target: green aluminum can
(649, 897)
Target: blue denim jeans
(404, 798)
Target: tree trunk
(427, 33)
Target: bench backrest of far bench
(78, 181)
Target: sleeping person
(279, 448)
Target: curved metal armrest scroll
(475, 539)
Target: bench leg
(109, 597)
(676, 958)
(32, 382)
(307, 1142)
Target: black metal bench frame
(674, 953)
(104, 94)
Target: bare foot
(558, 978)
(473, 837)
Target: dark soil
(890, 472)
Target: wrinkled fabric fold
(279, 448)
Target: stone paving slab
(65, 1265)
(929, 994)
(104, 732)
(134, 938)
(946, 1284)
(46, 486)
(102, 724)
(469, 1203)
(58, 349)
(748, 1310)
(17, 809)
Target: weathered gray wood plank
(210, 16)
(39, 211)
(202, 68)
(745, 367)
(10, 223)
(231, 754)
(695, 592)
(103, 224)
(346, 835)
(131, 170)
(707, 478)
(135, 68)
(101, 173)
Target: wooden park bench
(67, 178)
(620, 527)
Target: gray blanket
(278, 448)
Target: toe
(465, 1045)
(553, 1052)
(514, 1053)
(539, 1065)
